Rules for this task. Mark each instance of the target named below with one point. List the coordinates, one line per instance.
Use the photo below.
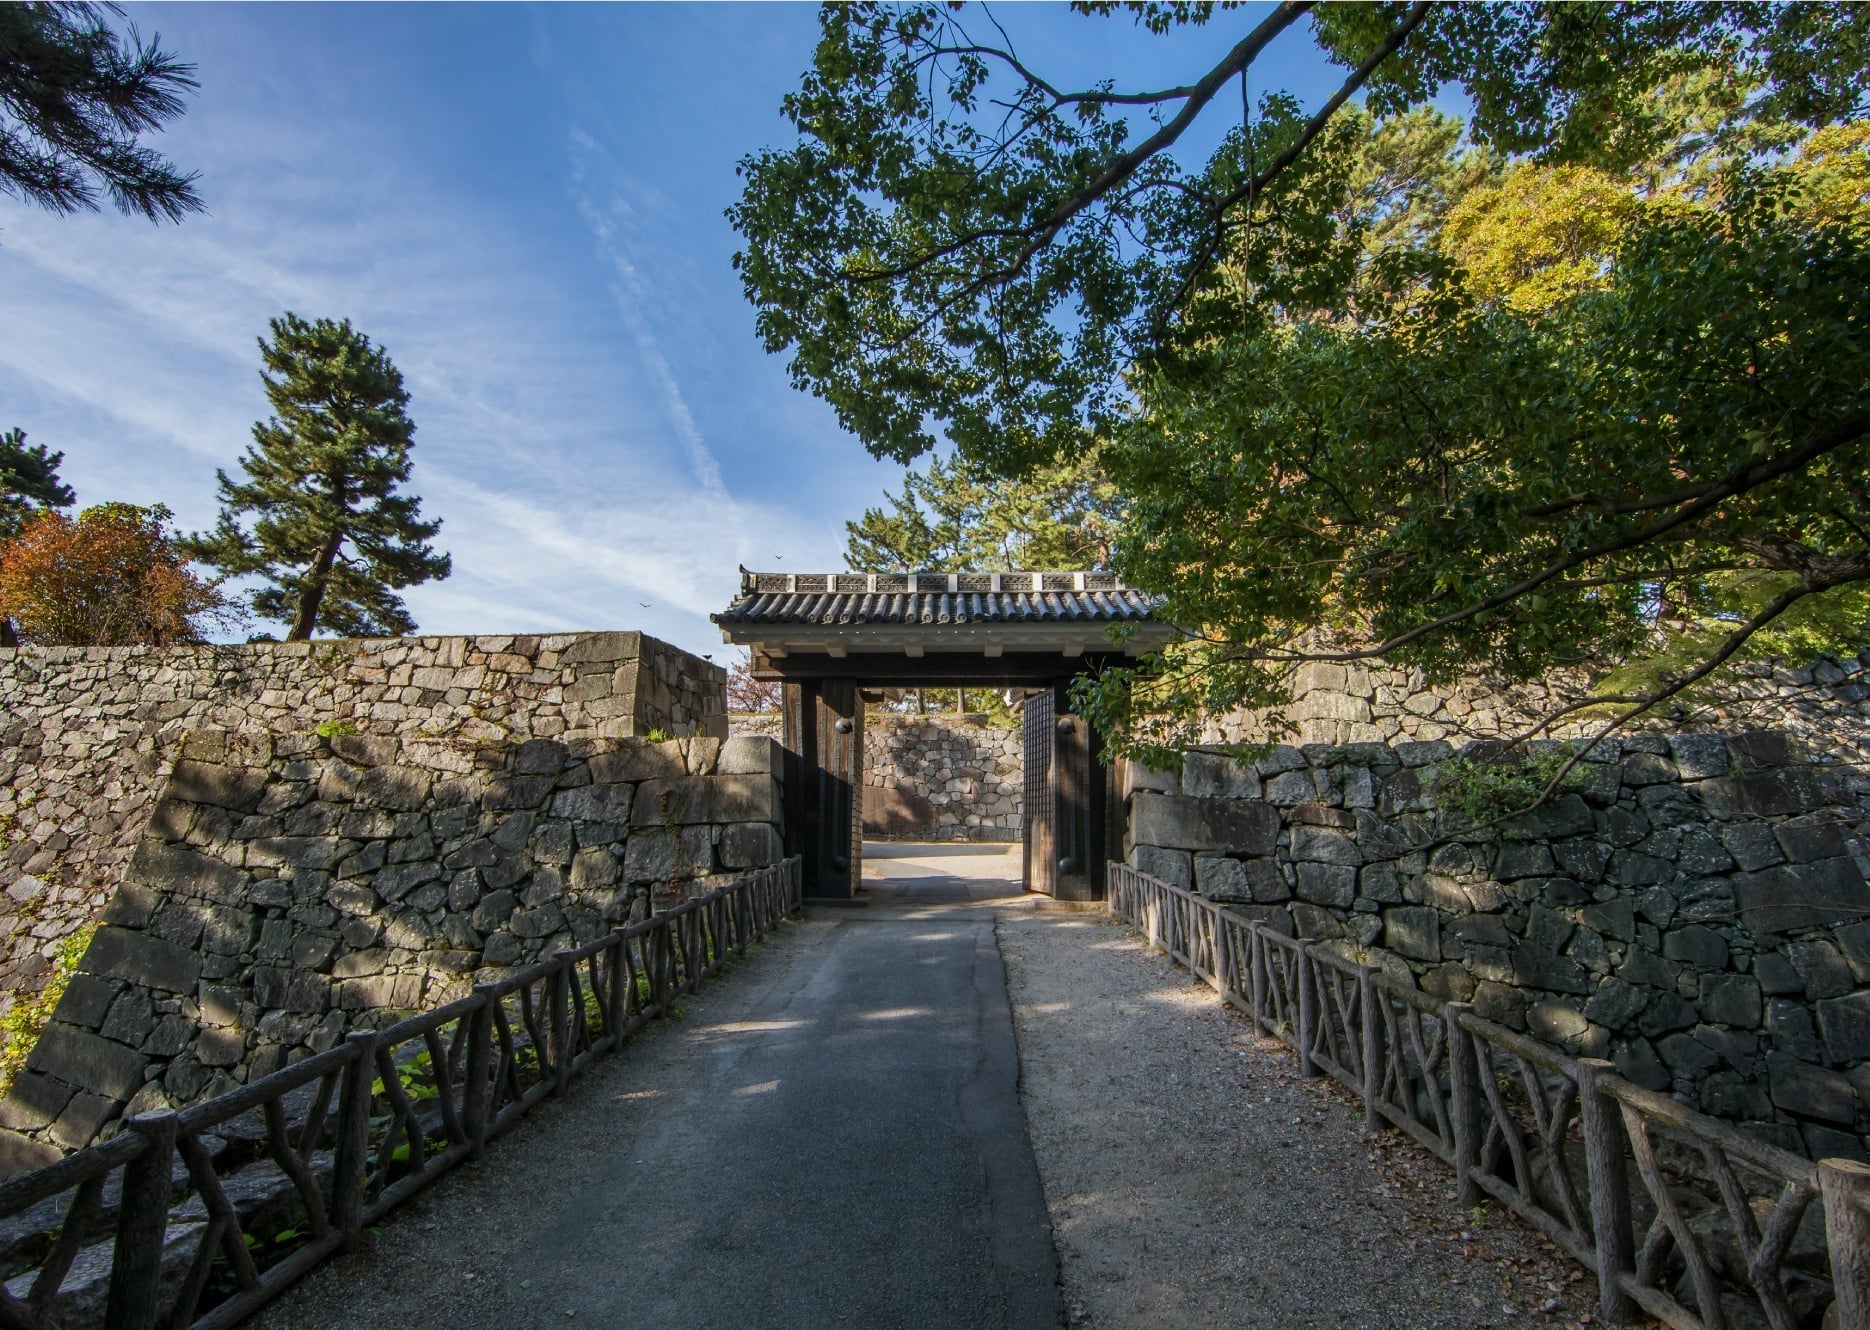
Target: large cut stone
(1169, 866)
(1810, 1091)
(1413, 931)
(117, 953)
(1182, 823)
(638, 760)
(691, 800)
(751, 755)
(1845, 1023)
(1324, 845)
(750, 845)
(594, 803)
(1566, 816)
(602, 648)
(88, 1061)
(1777, 900)
(1214, 776)
(179, 869)
(238, 788)
(1327, 884)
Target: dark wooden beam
(1013, 670)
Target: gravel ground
(1196, 1180)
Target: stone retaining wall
(290, 888)
(1825, 705)
(87, 735)
(944, 778)
(1696, 909)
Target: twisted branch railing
(354, 1131)
(1675, 1212)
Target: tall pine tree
(29, 485)
(330, 534)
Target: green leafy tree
(959, 244)
(75, 97)
(1646, 465)
(331, 535)
(29, 485)
(953, 516)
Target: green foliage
(1635, 464)
(957, 244)
(332, 538)
(29, 482)
(1480, 790)
(658, 735)
(74, 99)
(955, 517)
(26, 1016)
(331, 729)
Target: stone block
(662, 855)
(1171, 866)
(1698, 946)
(1222, 879)
(179, 869)
(1324, 845)
(132, 905)
(1290, 787)
(220, 1047)
(1215, 776)
(1783, 899)
(1752, 844)
(1687, 1056)
(131, 1020)
(1821, 969)
(1182, 823)
(139, 958)
(1776, 974)
(366, 750)
(750, 844)
(1810, 1091)
(236, 788)
(1380, 883)
(1413, 931)
(602, 648)
(87, 1061)
(82, 1119)
(1615, 1004)
(1845, 1024)
(1665, 1012)
(1699, 756)
(277, 988)
(751, 756)
(1534, 968)
(539, 757)
(1804, 843)
(1558, 1021)
(1789, 1025)
(1332, 885)
(504, 793)
(87, 998)
(1613, 918)
(1566, 816)
(1762, 794)
(694, 800)
(1501, 1004)
(1637, 1061)
(637, 760)
(1731, 999)
(320, 852)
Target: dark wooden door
(825, 733)
(1037, 804)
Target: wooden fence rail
(353, 1132)
(1676, 1213)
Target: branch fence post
(558, 996)
(1845, 1186)
(1367, 999)
(350, 1158)
(1464, 1090)
(1612, 1230)
(1308, 1012)
(475, 1076)
(142, 1223)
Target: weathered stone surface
(1810, 1091)
(595, 803)
(178, 869)
(1171, 866)
(1413, 931)
(1731, 999)
(1179, 822)
(1777, 900)
(691, 800)
(1327, 884)
(1845, 1024)
(1324, 845)
(87, 1061)
(1216, 776)
(141, 959)
(750, 845)
(237, 788)
(638, 762)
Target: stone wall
(290, 888)
(944, 778)
(1825, 705)
(1695, 909)
(87, 735)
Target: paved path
(830, 1136)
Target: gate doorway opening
(827, 638)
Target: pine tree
(29, 485)
(331, 536)
(74, 96)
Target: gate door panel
(1036, 807)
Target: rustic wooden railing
(1675, 1212)
(352, 1132)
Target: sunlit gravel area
(1194, 1179)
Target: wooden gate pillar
(824, 720)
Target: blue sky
(524, 206)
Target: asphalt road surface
(831, 1135)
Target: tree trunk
(312, 595)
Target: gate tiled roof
(934, 598)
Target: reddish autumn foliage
(746, 693)
(109, 577)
